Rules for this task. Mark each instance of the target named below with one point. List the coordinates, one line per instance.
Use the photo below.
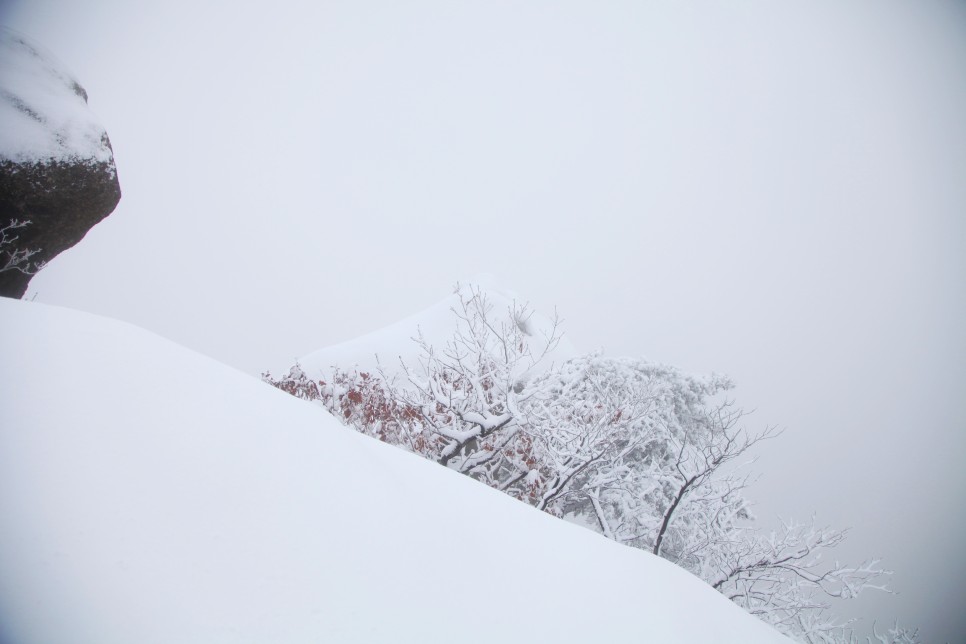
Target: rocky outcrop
(56, 163)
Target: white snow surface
(389, 346)
(149, 494)
(43, 117)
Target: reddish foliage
(362, 401)
(367, 404)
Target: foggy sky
(773, 192)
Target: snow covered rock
(56, 162)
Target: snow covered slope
(149, 494)
(437, 324)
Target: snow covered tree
(588, 419)
(458, 404)
(780, 577)
(607, 427)
(642, 453)
(467, 392)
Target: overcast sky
(776, 191)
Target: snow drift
(150, 494)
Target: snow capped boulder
(56, 163)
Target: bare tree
(895, 634)
(13, 258)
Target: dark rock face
(62, 200)
(56, 163)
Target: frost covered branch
(13, 258)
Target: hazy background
(776, 191)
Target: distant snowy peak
(44, 109)
(437, 325)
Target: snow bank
(43, 109)
(149, 494)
